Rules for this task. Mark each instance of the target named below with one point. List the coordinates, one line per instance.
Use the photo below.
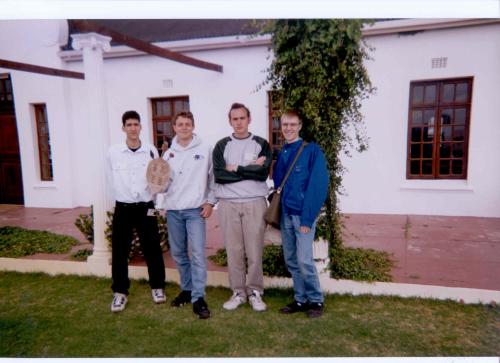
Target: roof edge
(190, 45)
(411, 25)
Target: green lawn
(68, 316)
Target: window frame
(155, 117)
(46, 168)
(439, 106)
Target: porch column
(93, 45)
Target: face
(290, 127)
(239, 121)
(132, 129)
(183, 128)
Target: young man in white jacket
(189, 201)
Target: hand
(206, 210)
(304, 229)
(231, 167)
(260, 161)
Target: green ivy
(85, 223)
(318, 69)
(273, 261)
(361, 264)
(18, 242)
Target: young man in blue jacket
(301, 199)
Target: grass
(68, 316)
(18, 242)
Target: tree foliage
(318, 70)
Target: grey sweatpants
(243, 229)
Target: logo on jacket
(198, 157)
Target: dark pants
(126, 217)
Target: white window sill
(437, 185)
(45, 185)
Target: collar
(124, 148)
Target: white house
(433, 122)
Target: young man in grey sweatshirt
(241, 165)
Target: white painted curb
(218, 278)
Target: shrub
(18, 242)
(273, 261)
(361, 264)
(85, 223)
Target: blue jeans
(297, 248)
(186, 229)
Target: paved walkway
(428, 250)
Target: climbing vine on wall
(318, 69)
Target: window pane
(458, 149)
(418, 94)
(444, 150)
(428, 133)
(169, 130)
(185, 106)
(458, 133)
(444, 167)
(160, 127)
(276, 123)
(427, 150)
(456, 166)
(178, 106)
(426, 167)
(8, 86)
(429, 117)
(446, 133)
(416, 117)
(415, 151)
(416, 134)
(461, 94)
(430, 94)
(415, 167)
(448, 92)
(446, 116)
(460, 116)
(157, 110)
(166, 108)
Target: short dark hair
(291, 113)
(185, 114)
(130, 115)
(236, 106)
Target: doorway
(11, 180)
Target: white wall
(37, 42)
(376, 179)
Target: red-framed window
(43, 136)
(438, 129)
(164, 111)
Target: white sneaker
(256, 301)
(235, 301)
(158, 296)
(119, 302)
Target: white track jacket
(192, 179)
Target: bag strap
(291, 166)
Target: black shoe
(294, 307)
(315, 310)
(200, 308)
(182, 299)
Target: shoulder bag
(273, 212)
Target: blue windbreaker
(305, 190)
